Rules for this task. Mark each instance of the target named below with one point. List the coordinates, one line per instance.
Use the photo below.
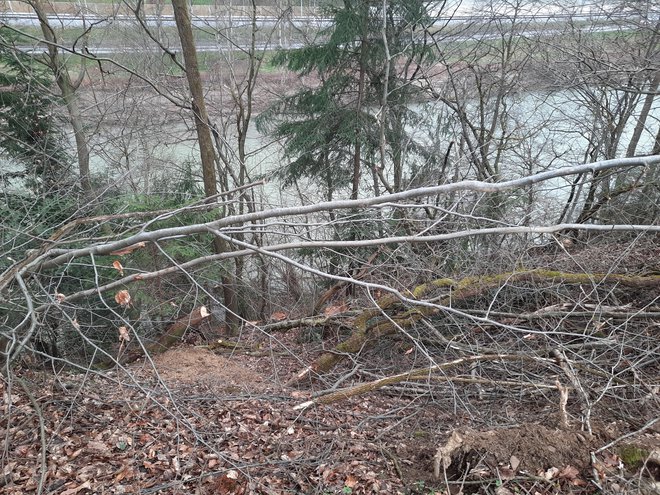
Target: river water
(544, 131)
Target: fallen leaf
(335, 309)
(97, 447)
(569, 473)
(611, 460)
(227, 483)
(351, 481)
(507, 474)
(278, 316)
(514, 462)
(550, 473)
(117, 266)
(75, 454)
(124, 336)
(123, 298)
(72, 491)
(408, 351)
(123, 473)
(8, 468)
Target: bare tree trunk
(68, 89)
(207, 155)
(357, 156)
(202, 125)
(641, 122)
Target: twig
(564, 365)
(594, 471)
(622, 315)
(421, 373)
(628, 435)
(499, 480)
(386, 452)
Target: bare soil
(201, 367)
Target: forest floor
(211, 424)
(207, 423)
(193, 420)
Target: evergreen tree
(359, 111)
(29, 133)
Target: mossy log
(389, 314)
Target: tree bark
(643, 115)
(357, 155)
(656, 144)
(68, 90)
(207, 154)
(420, 374)
(203, 128)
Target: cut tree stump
(170, 337)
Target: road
(209, 46)
(299, 22)
(77, 20)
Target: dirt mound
(529, 448)
(199, 366)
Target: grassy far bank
(194, 2)
(110, 35)
(208, 61)
(131, 39)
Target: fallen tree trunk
(390, 314)
(337, 320)
(418, 374)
